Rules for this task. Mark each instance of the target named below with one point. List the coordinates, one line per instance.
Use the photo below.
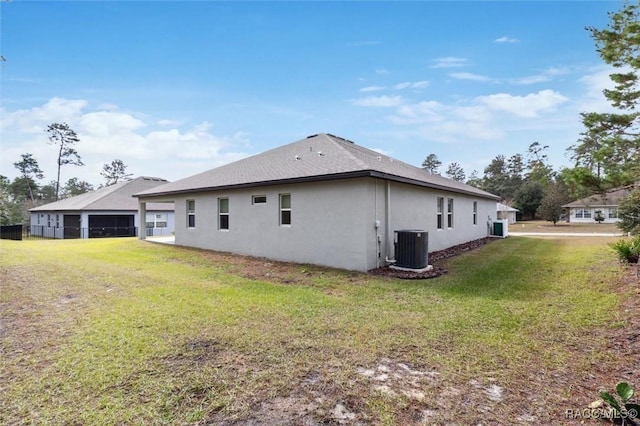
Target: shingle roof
(506, 208)
(118, 196)
(318, 157)
(610, 198)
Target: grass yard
(120, 331)
(573, 227)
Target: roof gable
(318, 157)
(118, 196)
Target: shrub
(627, 250)
(621, 403)
(599, 217)
(629, 213)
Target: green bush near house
(627, 250)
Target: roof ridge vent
(341, 138)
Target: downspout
(387, 223)
(376, 223)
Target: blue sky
(176, 88)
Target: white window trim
(284, 209)
(191, 213)
(440, 213)
(254, 202)
(221, 214)
(475, 213)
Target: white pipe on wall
(387, 222)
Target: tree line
(25, 192)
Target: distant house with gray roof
(586, 209)
(322, 200)
(110, 211)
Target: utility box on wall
(500, 228)
(411, 248)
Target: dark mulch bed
(436, 259)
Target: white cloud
(505, 39)
(35, 120)
(146, 146)
(107, 124)
(435, 121)
(382, 71)
(484, 118)
(530, 105)
(401, 86)
(595, 83)
(415, 85)
(411, 85)
(168, 123)
(449, 62)
(420, 112)
(379, 101)
(542, 77)
(372, 89)
(468, 76)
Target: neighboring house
(322, 200)
(110, 211)
(508, 213)
(586, 209)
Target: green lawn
(543, 226)
(120, 331)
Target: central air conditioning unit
(500, 228)
(411, 247)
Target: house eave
(318, 178)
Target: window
(613, 213)
(475, 212)
(285, 209)
(450, 213)
(440, 211)
(48, 220)
(158, 220)
(258, 199)
(583, 214)
(161, 220)
(191, 213)
(57, 221)
(223, 213)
